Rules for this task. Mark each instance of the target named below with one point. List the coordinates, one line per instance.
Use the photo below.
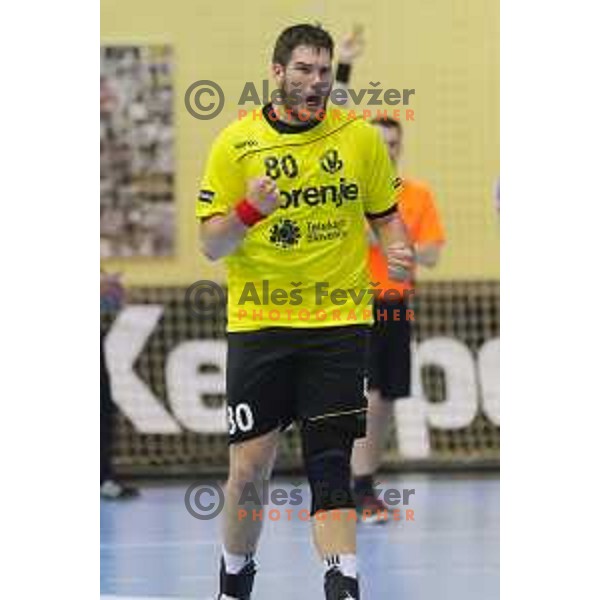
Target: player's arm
(381, 207)
(222, 234)
(392, 235)
(426, 254)
(227, 205)
(350, 48)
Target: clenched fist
(263, 194)
(400, 259)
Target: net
(167, 364)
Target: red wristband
(248, 214)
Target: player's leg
(105, 418)
(258, 383)
(366, 456)
(250, 464)
(331, 403)
(367, 450)
(110, 487)
(389, 366)
(327, 448)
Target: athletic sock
(236, 585)
(234, 563)
(363, 486)
(345, 563)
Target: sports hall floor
(152, 548)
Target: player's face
(393, 141)
(306, 80)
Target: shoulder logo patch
(206, 196)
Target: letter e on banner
(186, 385)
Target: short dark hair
(313, 36)
(387, 122)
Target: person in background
(497, 196)
(112, 297)
(389, 362)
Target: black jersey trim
(293, 144)
(282, 127)
(390, 211)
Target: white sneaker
(113, 490)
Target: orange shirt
(420, 215)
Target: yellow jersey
(306, 264)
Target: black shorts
(278, 375)
(389, 361)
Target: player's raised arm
(350, 49)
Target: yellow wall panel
(447, 50)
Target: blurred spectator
(112, 297)
(497, 195)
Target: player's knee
(251, 462)
(244, 474)
(327, 449)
